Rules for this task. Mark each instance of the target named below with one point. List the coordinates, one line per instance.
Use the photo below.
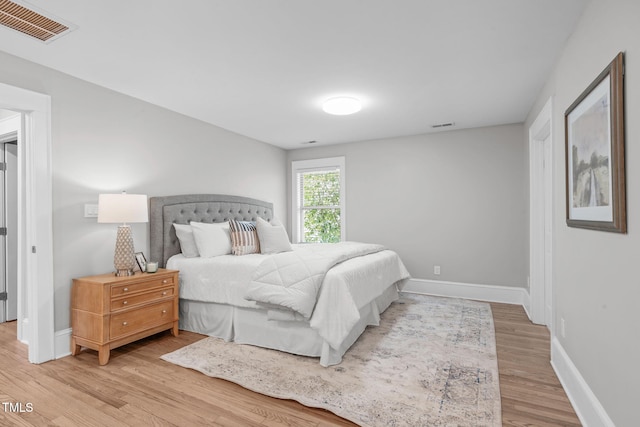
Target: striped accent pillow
(244, 237)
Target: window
(318, 200)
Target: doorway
(541, 218)
(8, 225)
(35, 320)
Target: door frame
(540, 216)
(35, 241)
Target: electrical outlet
(563, 328)
(436, 270)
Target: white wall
(103, 141)
(596, 273)
(457, 199)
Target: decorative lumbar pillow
(212, 239)
(187, 243)
(273, 237)
(244, 237)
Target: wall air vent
(27, 21)
(443, 125)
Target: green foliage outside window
(322, 225)
(321, 206)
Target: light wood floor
(137, 388)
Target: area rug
(431, 362)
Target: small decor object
(142, 261)
(152, 267)
(123, 208)
(595, 169)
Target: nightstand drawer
(136, 299)
(122, 290)
(131, 322)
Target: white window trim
(298, 166)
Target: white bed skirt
(251, 326)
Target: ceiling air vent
(29, 22)
(443, 125)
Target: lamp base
(124, 259)
(125, 272)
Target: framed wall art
(594, 144)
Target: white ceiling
(262, 68)
(5, 114)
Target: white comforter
(347, 287)
(222, 279)
(291, 281)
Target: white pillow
(212, 239)
(273, 237)
(187, 243)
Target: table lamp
(122, 209)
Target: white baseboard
(24, 331)
(526, 303)
(62, 344)
(491, 293)
(585, 403)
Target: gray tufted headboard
(164, 211)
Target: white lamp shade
(122, 208)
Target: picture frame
(594, 154)
(142, 261)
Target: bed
(351, 296)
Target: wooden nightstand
(109, 311)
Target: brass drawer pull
(164, 293)
(124, 302)
(124, 323)
(125, 290)
(164, 311)
(165, 281)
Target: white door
(3, 240)
(11, 203)
(9, 231)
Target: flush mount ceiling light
(342, 106)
